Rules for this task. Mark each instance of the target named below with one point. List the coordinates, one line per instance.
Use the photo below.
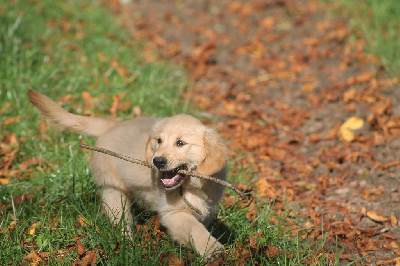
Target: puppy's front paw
(214, 252)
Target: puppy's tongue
(170, 180)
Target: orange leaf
(87, 98)
(10, 120)
(90, 258)
(80, 248)
(393, 219)
(265, 190)
(376, 217)
(33, 258)
(82, 221)
(307, 87)
(32, 229)
(4, 181)
(364, 77)
(30, 162)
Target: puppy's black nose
(160, 162)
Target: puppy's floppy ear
(215, 153)
(149, 150)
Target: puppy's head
(182, 142)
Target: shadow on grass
(223, 233)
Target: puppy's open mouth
(171, 179)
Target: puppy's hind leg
(187, 230)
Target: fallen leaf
(115, 104)
(83, 222)
(8, 159)
(307, 87)
(32, 229)
(87, 98)
(9, 228)
(353, 123)
(10, 120)
(271, 251)
(388, 236)
(346, 130)
(364, 77)
(30, 162)
(90, 258)
(174, 260)
(393, 219)
(395, 261)
(32, 258)
(80, 248)
(309, 224)
(18, 200)
(364, 211)
(265, 190)
(376, 217)
(349, 96)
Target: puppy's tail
(89, 126)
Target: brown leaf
(364, 211)
(87, 98)
(114, 107)
(252, 212)
(10, 120)
(333, 132)
(32, 258)
(376, 217)
(174, 260)
(83, 222)
(265, 190)
(90, 258)
(8, 159)
(388, 236)
(393, 219)
(80, 248)
(30, 162)
(364, 77)
(349, 96)
(395, 261)
(18, 200)
(272, 251)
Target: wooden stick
(184, 172)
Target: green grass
(65, 48)
(378, 22)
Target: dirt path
(282, 76)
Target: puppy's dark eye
(159, 141)
(180, 143)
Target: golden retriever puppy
(170, 144)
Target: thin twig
(215, 180)
(120, 156)
(144, 163)
(188, 203)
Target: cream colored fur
(123, 182)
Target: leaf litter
(288, 84)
